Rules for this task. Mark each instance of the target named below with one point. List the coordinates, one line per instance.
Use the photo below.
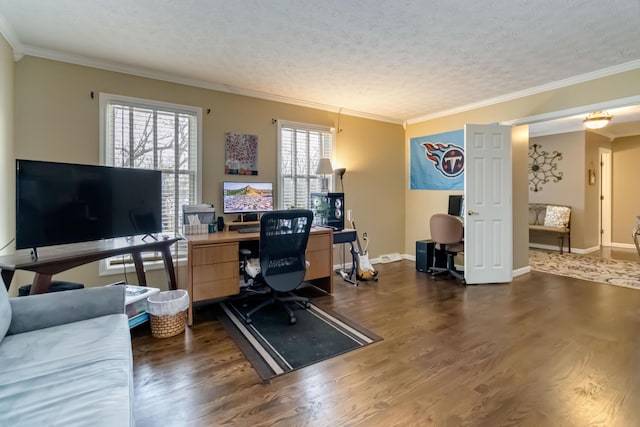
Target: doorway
(605, 196)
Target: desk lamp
(324, 169)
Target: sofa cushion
(5, 312)
(557, 216)
(76, 374)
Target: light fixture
(597, 120)
(340, 172)
(324, 168)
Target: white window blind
(300, 147)
(138, 133)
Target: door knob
(472, 213)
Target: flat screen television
(58, 203)
(247, 197)
(456, 205)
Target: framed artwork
(240, 154)
(437, 161)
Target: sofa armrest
(57, 308)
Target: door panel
(488, 256)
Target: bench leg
(561, 238)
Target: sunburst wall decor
(542, 167)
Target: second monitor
(456, 205)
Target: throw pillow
(557, 216)
(5, 311)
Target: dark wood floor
(543, 350)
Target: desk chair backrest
(283, 242)
(446, 229)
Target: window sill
(111, 270)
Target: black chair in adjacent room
(447, 232)
(283, 242)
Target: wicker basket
(168, 325)
(167, 311)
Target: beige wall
(570, 190)
(56, 119)
(625, 179)
(7, 159)
(420, 205)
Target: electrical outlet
(349, 215)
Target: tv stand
(56, 259)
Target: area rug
(595, 269)
(274, 347)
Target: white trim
(151, 74)
(565, 250)
(559, 114)
(605, 72)
(521, 271)
(10, 36)
(623, 245)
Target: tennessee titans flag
(437, 161)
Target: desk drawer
(217, 253)
(219, 271)
(319, 242)
(216, 289)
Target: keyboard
(249, 230)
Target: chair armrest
(58, 308)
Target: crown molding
(10, 36)
(148, 73)
(605, 72)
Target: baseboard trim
(623, 245)
(521, 271)
(557, 249)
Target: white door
(488, 242)
(605, 196)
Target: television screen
(58, 203)
(247, 197)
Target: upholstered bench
(551, 218)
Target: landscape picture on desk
(437, 161)
(241, 154)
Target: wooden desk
(56, 259)
(213, 263)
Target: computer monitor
(247, 197)
(456, 205)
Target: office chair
(447, 232)
(283, 242)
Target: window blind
(151, 135)
(300, 147)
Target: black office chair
(283, 242)
(447, 232)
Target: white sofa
(65, 359)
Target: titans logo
(448, 159)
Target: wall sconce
(340, 172)
(592, 174)
(324, 168)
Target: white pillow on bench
(557, 216)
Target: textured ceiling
(396, 60)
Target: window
(138, 133)
(300, 147)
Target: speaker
(424, 256)
(220, 223)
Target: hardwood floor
(543, 350)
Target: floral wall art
(241, 154)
